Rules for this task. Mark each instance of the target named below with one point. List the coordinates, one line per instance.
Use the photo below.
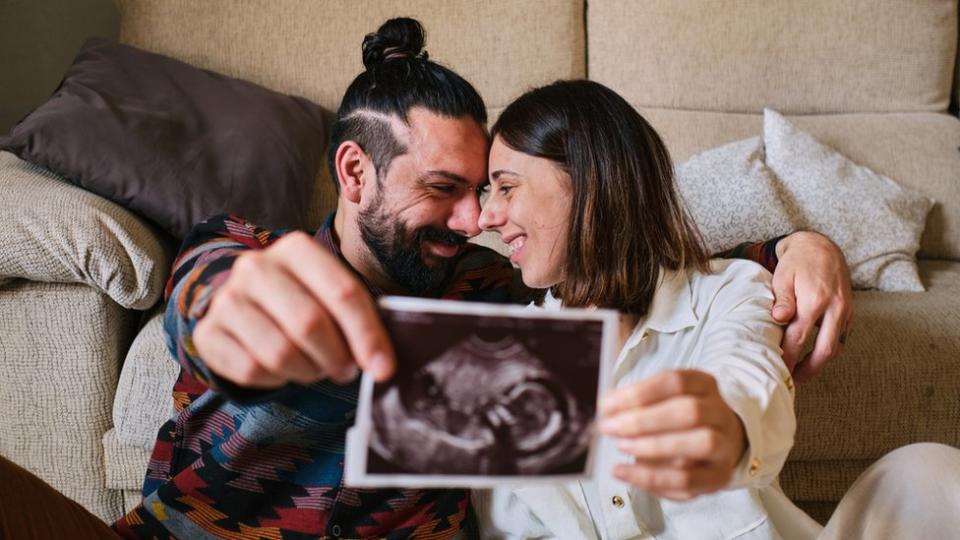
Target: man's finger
(655, 389)
(349, 304)
(827, 346)
(265, 342)
(784, 301)
(794, 338)
(224, 355)
(305, 322)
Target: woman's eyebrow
(497, 173)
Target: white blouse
(719, 323)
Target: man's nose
(466, 214)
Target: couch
(87, 378)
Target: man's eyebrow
(497, 173)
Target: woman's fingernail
(608, 405)
(609, 425)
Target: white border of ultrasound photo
(358, 438)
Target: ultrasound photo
(482, 392)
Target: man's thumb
(784, 304)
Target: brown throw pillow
(173, 142)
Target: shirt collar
(671, 309)
(327, 237)
(672, 306)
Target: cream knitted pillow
(876, 222)
(56, 232)
(732, 195)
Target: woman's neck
(628, 322)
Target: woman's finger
(657, 388)
(677, 483)
(701, 444)
(675, 414)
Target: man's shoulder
(475, 255)
(236, 228)
(481, 274)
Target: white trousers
(912, 492)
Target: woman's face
(529, 204)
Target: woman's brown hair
(627, 218)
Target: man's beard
(400, 251)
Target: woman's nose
(491, 216)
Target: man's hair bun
(400, 38)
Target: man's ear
(353, 167)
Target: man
(271, 328)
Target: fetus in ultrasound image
(491, 396)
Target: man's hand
(685, 439)
(812, 288)
(292, 312)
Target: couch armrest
(59, 233)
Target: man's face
(425, 208)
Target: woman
(701, 420)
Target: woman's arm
(812, 286)
(727, 423)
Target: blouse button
(336, 530)
(754, 467)
(617, 501)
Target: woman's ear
(353, 167)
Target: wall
(38, 40)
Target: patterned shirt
(247, 464)
(237, 463)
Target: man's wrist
(784, 242)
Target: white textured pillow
(56, 232)
(876, 222)
(732, 195)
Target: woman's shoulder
(731, 282)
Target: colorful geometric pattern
(763, 253)
(236, 463)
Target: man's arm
(203, 264)
(811, 282)
(251, 309)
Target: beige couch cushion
(56, 232)
(896, 381)
(312, 47)
(814, 56)
(918, 151)
(62, 345)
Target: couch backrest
(312, 47)
(800, 57)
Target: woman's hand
(685, 439)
